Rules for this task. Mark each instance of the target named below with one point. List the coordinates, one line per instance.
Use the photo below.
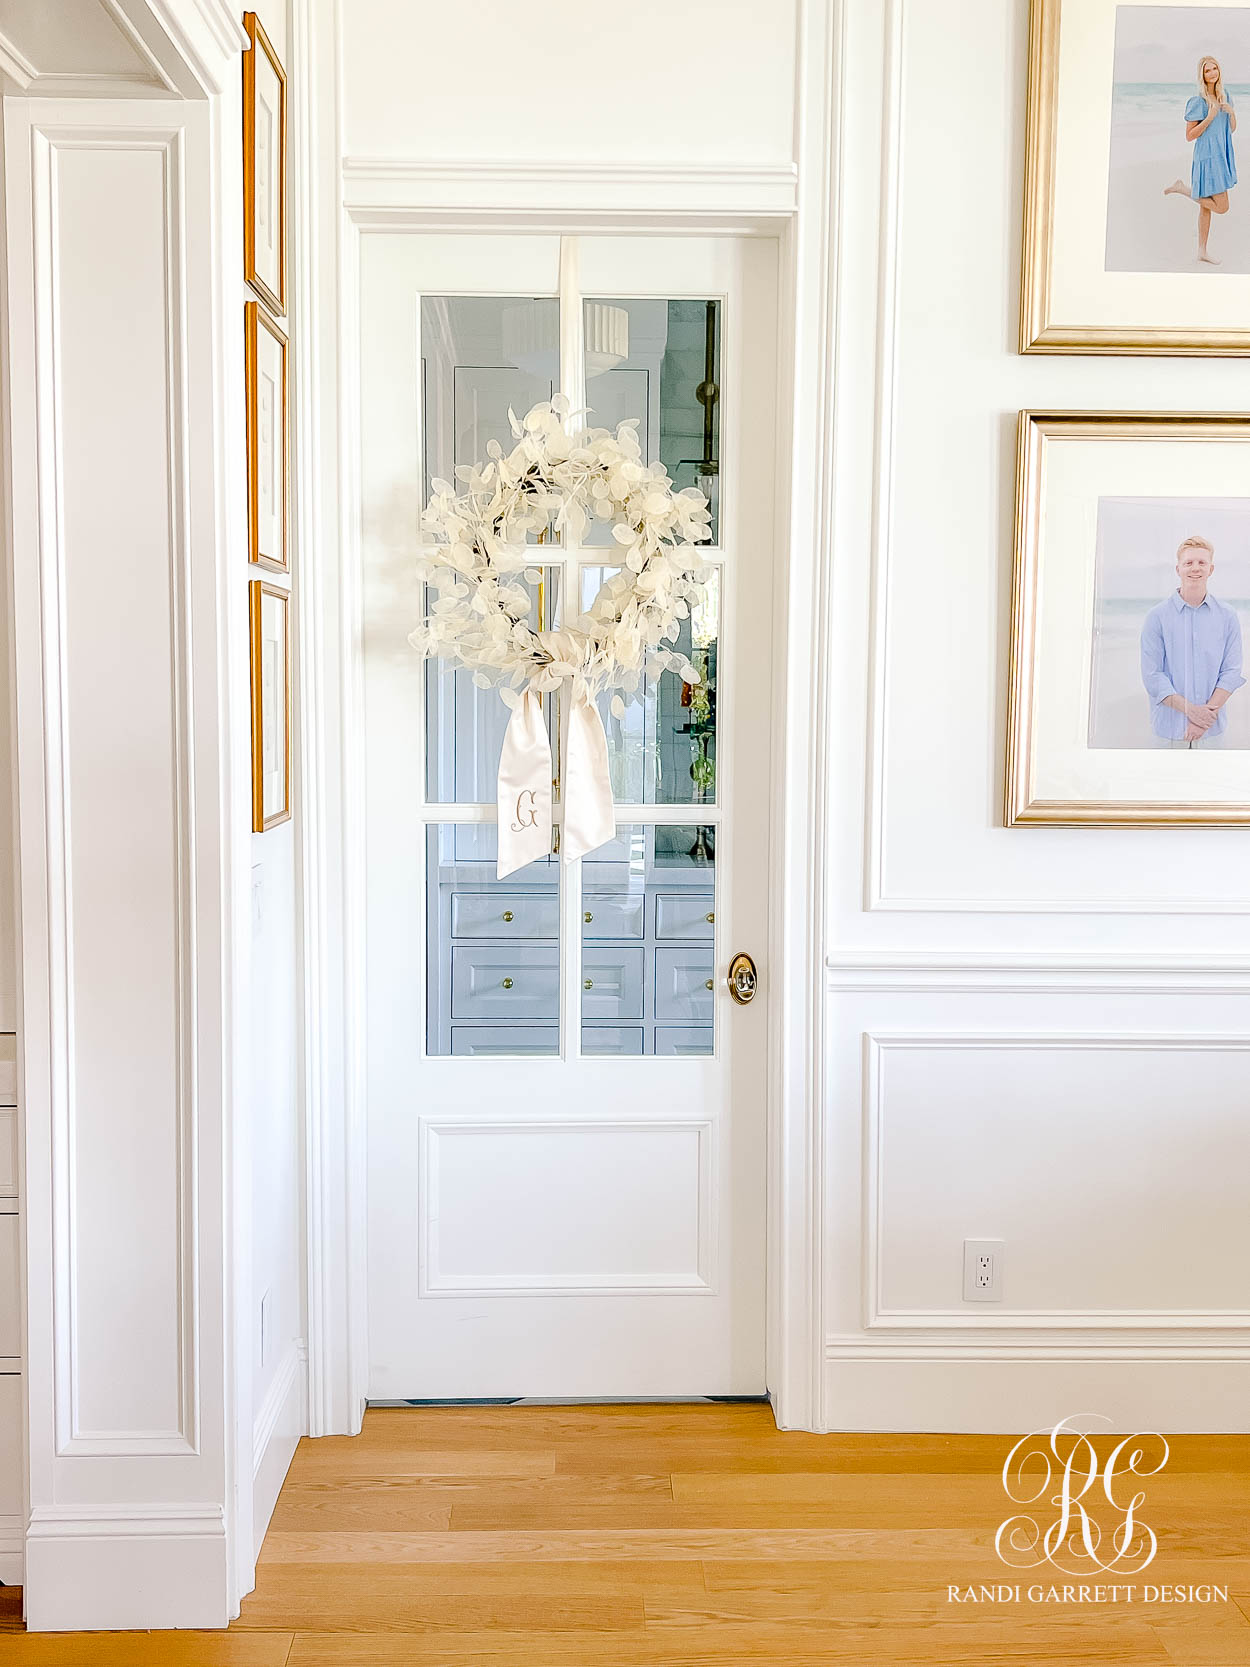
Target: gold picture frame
(268, 440)
(269, 611)
(1048, 323)
(264, 167)
(1057, 638)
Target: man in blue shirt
(1191, 656)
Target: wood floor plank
(598, 1545)
(147, 1649)
(753, 1646)
(1203, 1646)
(406, 1502)
(388, 1602)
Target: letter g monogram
(526, 814)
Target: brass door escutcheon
(742, 979)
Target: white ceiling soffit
(84, 49)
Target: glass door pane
(659, 361)
(648, 942)
(663, 751)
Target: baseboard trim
(126, 1568)
(990, 1390)
(281, 1420)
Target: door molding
(349, 200)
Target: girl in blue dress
(1210, 122)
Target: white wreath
(480, 618)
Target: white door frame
(796, 206)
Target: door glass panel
(648, 942)
(481, 354)
(659, 361)
(663, 751)
(464, 725)
(492, 948)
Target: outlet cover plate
(983, 1270)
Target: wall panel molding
(1196, 1323)
(954, 972)
(879, 894)
(55, 362)
(434, 1281)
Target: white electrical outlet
(983, 1270)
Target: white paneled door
(566, 1107)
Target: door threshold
(575, 1401)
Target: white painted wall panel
(950, 385)
(123, 753)
(1112, 1168)
(556, 1205)
(1108, 1166)
(707, 79)
(8, 1151)
(10, 1287)
(11, 1466)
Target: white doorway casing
(394, 198)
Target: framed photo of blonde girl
(1136, 224)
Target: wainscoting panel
(504, 1214)
(108, 245)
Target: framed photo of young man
(1136, 230)
(1130, 610)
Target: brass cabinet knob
(708, 985)
(711, 919)
(588, 984)
(507, 914)
(507, 983)
(588, 917)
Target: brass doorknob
(742, 979)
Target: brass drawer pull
(588, 917)
(588, 984)
(711, 919)
(708, 985)
(507, 914)
(507, 983)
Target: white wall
(650, 81)
(1088, 1117)
(277, 1361)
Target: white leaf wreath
(479, 609)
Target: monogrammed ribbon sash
(524, 791)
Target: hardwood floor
(684, 1536)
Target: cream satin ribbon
(524, 790)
